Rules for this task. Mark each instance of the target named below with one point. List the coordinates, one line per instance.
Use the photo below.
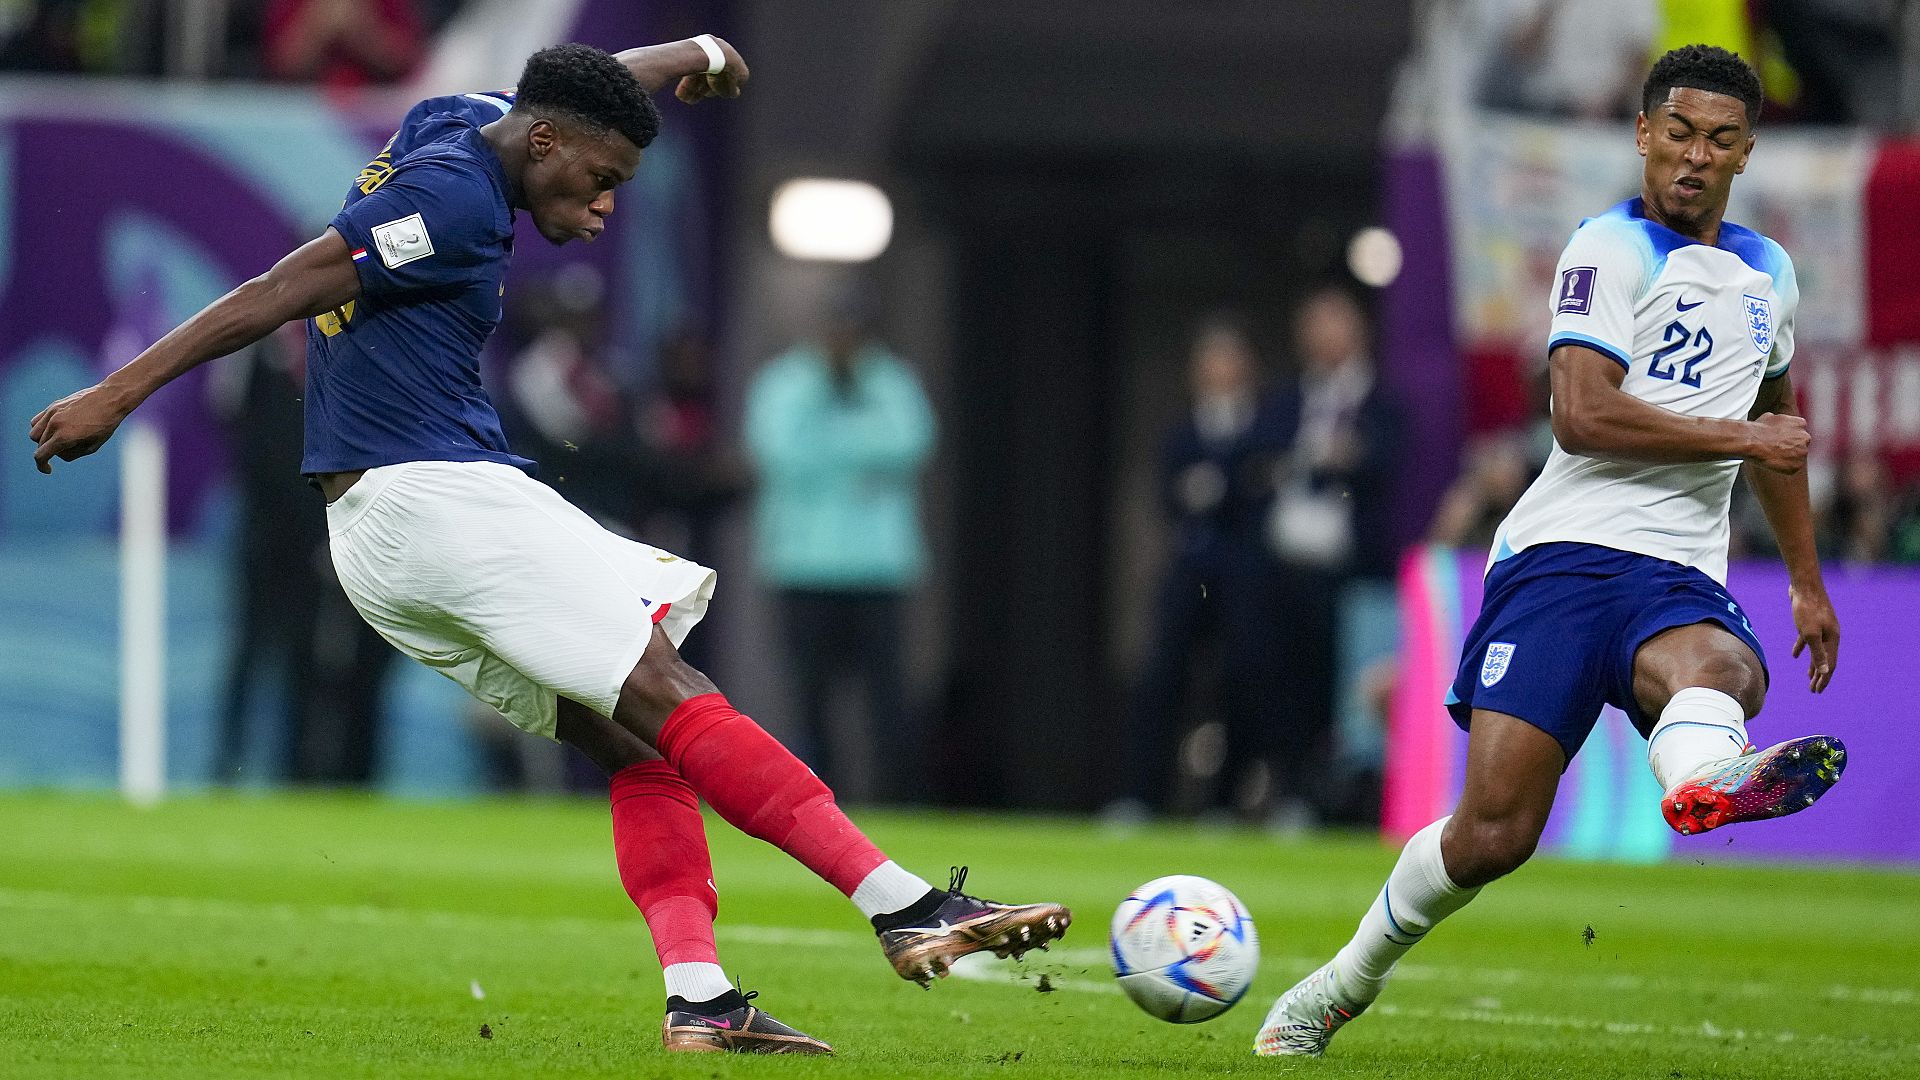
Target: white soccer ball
(1184, 948)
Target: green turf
(343, 937)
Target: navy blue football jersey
(394, 375)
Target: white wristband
(716, 60)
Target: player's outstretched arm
(656, 65)
(1784, 499)
(1593, 417)
(317, 277)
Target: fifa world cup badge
(1576, 290)
(1760, 322)
(1494, 667)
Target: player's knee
(656, 686)
(1481, 850)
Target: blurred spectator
(1573, 58)
(1858, 521)
(690, 475)
(1903, 539)
(1332, 509)
(320, 666)
(337, 43)
(561, 406)
(839, 430)
(1330, 524)
(341, 44)
(1844, 58)
(1496, 472)
(1217, 599)
(101, 37)
(693, 476)
(279, 550)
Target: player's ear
(1744, 155)
(1641, 129)
(542, 136)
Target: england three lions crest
(1760, 323)
(1494, 667)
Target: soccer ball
(1184, 948)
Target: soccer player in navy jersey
(447, 545)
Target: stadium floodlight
(831, 220)
(1374, 257)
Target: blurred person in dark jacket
(279, 553)
(300, 655)
(1217, 598)
(1330, 524)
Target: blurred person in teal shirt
(840, 430)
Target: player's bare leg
(1704, 684)
(660, 844)
(764, 791)
(1513, 771)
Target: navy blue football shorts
(1559, 627)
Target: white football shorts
(492, 579)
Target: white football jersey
(1696, 328)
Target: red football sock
(660, 843)
(764, 791)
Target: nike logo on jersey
(1681, 304)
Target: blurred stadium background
(1048, 204)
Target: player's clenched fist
(723, 83)
(75, 426)
(1780, 443)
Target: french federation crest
(1494, 667)
(1760, 323)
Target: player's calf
(1481, 850)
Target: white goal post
(143, 613)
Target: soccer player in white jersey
(1671, 340)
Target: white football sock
(1698, 726)
(696, 982)
(887, 889)
(1418, 894)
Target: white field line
(368, 915)
(1705, 1029)
(1406, 972)
(1486, 1012)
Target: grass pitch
(349, 937)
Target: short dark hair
(591, 87)
(1703, 67)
